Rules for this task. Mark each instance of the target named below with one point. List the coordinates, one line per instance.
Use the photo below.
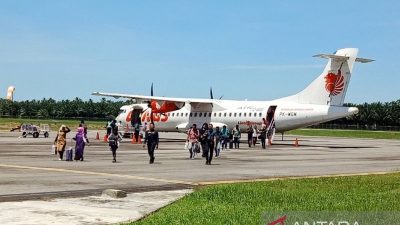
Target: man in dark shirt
(152, 141)
(210, 144)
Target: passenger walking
(236, 136)
(225, 137)
(193, 139)
(203, 138)
(254, 135)
(263, 135)
(113, 141)
(80, 144)
(218, 141)
(209, 150)
(61, 140)
(82, 124)
(109, 128)
(151, 140)
(113, 125)
(250, 135)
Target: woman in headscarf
(61, 140)
(80, 144)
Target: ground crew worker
(151, 140)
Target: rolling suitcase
(68, 154)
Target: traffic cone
(296, 143)
(140, 139)
(97, 136)
(105, 138)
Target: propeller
(212, 95)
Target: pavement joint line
(99, 174)
(204, 183)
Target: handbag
(197, 148)
(53, 150)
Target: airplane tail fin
(331, 86)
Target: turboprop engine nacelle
(164, 107)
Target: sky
(255, 50)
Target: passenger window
(224, 114)
(182, 114)
(259, 115)
(219, 114)
(215, 114)
(186, 114)
(230, 114)
(200, 114)
(191, 114)
(240, 114)
(173, 114)
(234, 114)
(245, 114)
(209, 114)
(195, 114)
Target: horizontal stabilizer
(330, 56)
(342, 58)
(363, 60)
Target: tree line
(64, 109)
(370, 114)
(374, 114)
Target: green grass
(244, 203)
(7, 123)
(347, 133)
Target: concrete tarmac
(29, 171)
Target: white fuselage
(287, 115)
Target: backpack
(112, 141)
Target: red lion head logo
(334, 83)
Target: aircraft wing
(144, 98)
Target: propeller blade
(151, 90)
(211, 93)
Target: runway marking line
(201, 183)
(98, 173)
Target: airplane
(321, 101)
